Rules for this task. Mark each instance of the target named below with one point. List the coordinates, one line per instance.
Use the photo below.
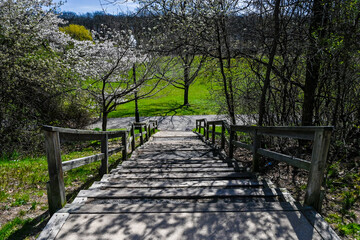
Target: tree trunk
(270, 63)
(312, 63)
(104, 120)
(186, 95)
(186, 80)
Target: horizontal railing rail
(316, 167)
(54, 136)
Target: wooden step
(176, 193)
(178, 160)
(128, 164)
(170, 170)
(171, 183)
(181, 207)
(175, 154)
(201, 175)
(173, 149)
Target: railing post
(105, 150)
(55, 187)
(141, 136)
(147, 132)
(223, 135)
(205, 123)
(256, 146)
(207, 130)
(124, 144)
(318, 163)
(213, 133)
(150, 130)
(231, 146)
(132, 132)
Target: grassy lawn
(169, 100)
(23, 197)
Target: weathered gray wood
(124, 145)
(187, 193)
(231, 146)
(132, 132)
(173, 183)
(75, 163)
(150, 150)
(218, 122)
(213, 133)
(256, 146)
(181, 159)
(207, 131)
(293, 161)
(289, 132)
(223, 139)
(242, 145)
(115, 150)
(134, 164)
(53, 226)
(105, 151)
(141, 136)
(322, 227)
(56, 189)
(172, 170)
(181, 207)
(317, 168)
(212, 175)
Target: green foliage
(77, 32)
(12, 226)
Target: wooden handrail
(55, 135)
(316, 167)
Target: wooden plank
(104, 168)
(180, 184)
(115, 150)
(180, 207)
(213, 175)
(154, 162)
(68, 165)
(187, 225)
(134, 164)
(171, 170)
(53, 227)
(56, 187)
(181, 160)
(183, 193)
(79, 137)
(321, 226)
(294, 133)
(316, 175)
(173, 150)
(296, 162)
(242, 145)
(238, 128)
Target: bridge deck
(177, 187)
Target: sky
(84, 6)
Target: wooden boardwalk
(178, 187)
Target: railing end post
(313, 196)
(55, 186)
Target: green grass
(23, 186)
(169, 100)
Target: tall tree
(176, 35)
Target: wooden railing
(55, 135)
(316, 167)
